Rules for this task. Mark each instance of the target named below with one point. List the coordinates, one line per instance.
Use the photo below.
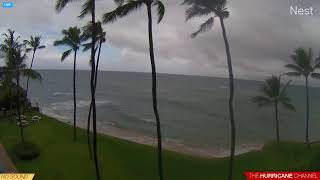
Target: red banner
(282, 175)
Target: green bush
(26, 151)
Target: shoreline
(168, 144)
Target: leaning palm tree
(72, 39)
(273, 94)
(304, 65)
(101, 38)
(216, 9)
(123, 10)
(32, 45)
(90, 7)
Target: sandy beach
(168, 144)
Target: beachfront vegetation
(15, 58)
(216, 9)
(124, 160)
(33, 44)
(72, 38)
(15, 67)
(304, 65)
(123, 10)
(8, 96)
(272, 95)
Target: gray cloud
(262, 35)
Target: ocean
(193, 109)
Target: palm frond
(160, 10)
(60, 42)
(272, 87)
(87, 30)
(86, 46)
(204, 27)
(205, 7)
(33, 43)
(122, 11)
(32, 74)
(86, 9)
(225, 14)
(188, 2)
(61, 4)
(72, 38)
(315, 75)
(119, 2)
(316, 65)
(284, 89)
(303, 59)
(27, 42)
(293, 74)
(288, 105)
(295, 68)
(197, 11)
(262, 100)
(65, 54)
(29, 49)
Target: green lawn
(63, 159)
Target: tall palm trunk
(34, 52)
(90, 109)
(307, 113)
(18, 107)
(231, 96)
(88, 132)
(74, 97)
(93, 100)
(277, 121)
(154, 92)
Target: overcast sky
(262, 36)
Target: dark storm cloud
(262, 35)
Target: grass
(63, 159)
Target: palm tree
(7, 48)
(123, 10)
(15, 61)
(9, 43)
(72, 39)
(273, 94)
(304, 65)
(32, 45)
(87, 8)
(216, 9)
(101, 38)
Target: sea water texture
(193, 110)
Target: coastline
(168, 144)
